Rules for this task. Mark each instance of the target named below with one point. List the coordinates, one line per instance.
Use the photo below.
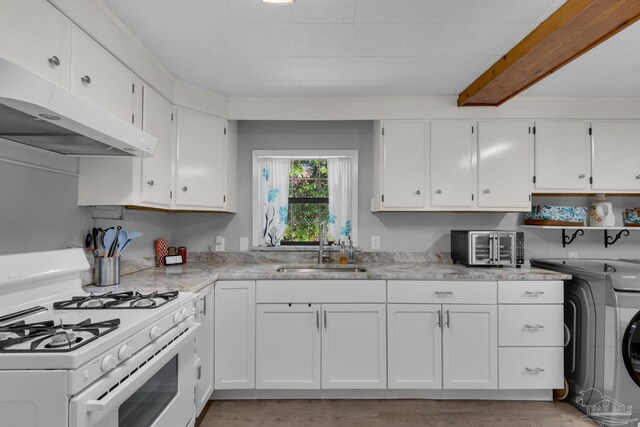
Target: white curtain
(340, 215)
(274, 200)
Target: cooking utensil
(94, 235)
(88, 241)
(107, 241)
(133, 235)
(123, 237)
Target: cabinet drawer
(530, 292)
(527, 368)
(530, 325)
(320, 291)
(441, 292)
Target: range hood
(37, 112)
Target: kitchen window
(296, 190)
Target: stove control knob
(108, 363)
(155, 332)
(177, 318)
(125, 352)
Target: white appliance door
(149, 390)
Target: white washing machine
(602, 352)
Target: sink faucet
(322, 240)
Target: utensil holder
(107, 271)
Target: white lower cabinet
(531, 368)
(414, 346)
(354, 346)
(204, 348)
(470, 347)
(288, 346)
(235, 335)
(296, 342)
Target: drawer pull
(534, 370)
(534, 327)
(444, 292)
(534, 293)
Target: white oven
(155, 388)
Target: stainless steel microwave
(488, 248)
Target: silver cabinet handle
(199, 374)
(85, 79)
(185, 188)
(438, 191)
(536, 326)
(150, 182)
(637, 176)
(534, 293)
(581, 176)
(325, 320)
(448, 321)
(204, 306)
(439, 318)
(54, 60)
(317, 320)
(418, 192)
(486, 191)
(536, 370)
(444, 292)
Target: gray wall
(406, 231)
(38, 209)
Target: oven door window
(150, 400)
(481, 248)
(631, 348)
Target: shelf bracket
(610, 240)
(566, 240)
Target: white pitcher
(601, 212)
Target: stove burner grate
(121, 300)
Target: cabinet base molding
(538, 395)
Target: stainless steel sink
(320, 269)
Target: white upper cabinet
(201, 167)
(451, 163)
(616, 151)
(34, 35)
(99, 77)
(401, 154)
(504, 172)
(562, 155)
(156, 170)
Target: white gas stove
(72, 359)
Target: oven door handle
(96, 405)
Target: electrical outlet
(572, 254)
(219, 244)
(244, 243)
(375, 242)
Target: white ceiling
(359, 47)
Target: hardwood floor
(401, 413)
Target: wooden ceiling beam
(575, 28)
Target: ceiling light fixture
(278, 1)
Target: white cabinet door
(204, 348)
(452, 153)
(403, 164)
(414, 346)
(562, 155)
(503, 164)
(470, 347)
(354, 346)
(235, 333)
(616, 150)
(35, 35)
(288, 346)
(99, 77)
(201, 160)
(156, 170)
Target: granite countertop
(195, 276)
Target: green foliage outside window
(308, 200)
